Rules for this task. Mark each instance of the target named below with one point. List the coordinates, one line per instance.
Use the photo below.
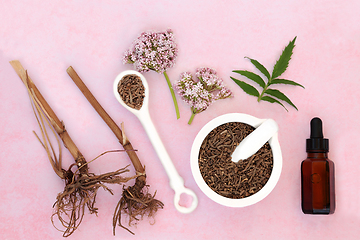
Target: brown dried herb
(132, 91)
(221, 174)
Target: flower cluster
(152, 51)
(201, 93)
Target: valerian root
(80, 192)
(80, 186)
(136, 203)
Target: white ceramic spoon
(255, 140)
(176, 181)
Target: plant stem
(173, 95)
(263, 91)
(109, 121)
(57, 124)
(192, 117)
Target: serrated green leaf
(279, 95)
(272, 100)
(285, 81)
(283, 62)
(260, 67)
(246, 87)
(252, 76)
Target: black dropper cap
(317, 142)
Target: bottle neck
(317, 154)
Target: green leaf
(252, 76)
(260, 67)
(246, 87)
(279, 95)
(283, 62)
(272, 100)
(285, 81)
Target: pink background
(91, 36)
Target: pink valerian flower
(152, 51)
(201, 93)
(155, 51)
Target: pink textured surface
(49, 36)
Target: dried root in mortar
(225, 177)
(80, 186)
(136, 202)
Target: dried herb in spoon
(132, 91)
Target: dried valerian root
(136, 202)
(80, 192)
(81, 186)
(225, 177)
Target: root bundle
(136, 203)
(80, 193)
(81, 186)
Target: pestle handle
(255, 140)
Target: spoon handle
(176, 181)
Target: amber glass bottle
(317, 174)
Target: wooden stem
(56, 123)
(108, 120)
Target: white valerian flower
(200, 93)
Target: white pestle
(255, 140)
(176, 181)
